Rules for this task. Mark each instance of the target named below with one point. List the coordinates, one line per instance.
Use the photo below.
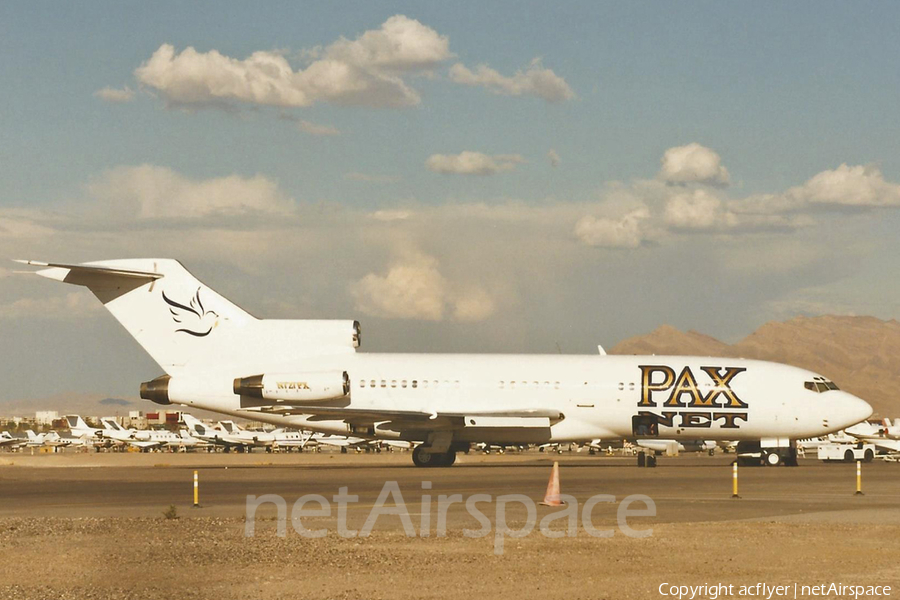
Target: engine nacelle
(295, 387)
(157, 390)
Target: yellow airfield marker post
(734, 480)
(858, 479)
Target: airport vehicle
(307, 374)
(834, 451)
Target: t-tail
(183, 324)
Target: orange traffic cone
(551, 498)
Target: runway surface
(76, 526)
(685, 488)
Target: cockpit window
(820, 385)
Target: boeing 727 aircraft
(308, 374)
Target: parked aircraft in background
(7, 440)
(80, 429)
(308, 375)
(673, 446)
(50, 438)
(248, 439)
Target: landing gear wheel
(773, 459)
(791, 459)
(448, 459)
(423, 458)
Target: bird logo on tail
(196, 320)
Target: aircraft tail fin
(180, 322)
(76, 423)
(31, 435)
(194, 425)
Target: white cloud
(698, 210)
(391, 215)
(693, 163)
(411, 290)
(605, 232)
(152, 192)
(109, 94)
(472, 163)
(316, 129)
(473, 305)
(367, 71)
(861, 186)
(846, 187)
(554, 158)
(534, 81)
(415, 289)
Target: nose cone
(853, 409)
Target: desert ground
(92, 526)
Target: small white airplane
(307, 374)
(289, 440)
(249, 439)
(885, 436)
(80, 429)
(50, 438)
(212, 435)
(674, 446)
(145, 439)
(7, 440)
(339, 441)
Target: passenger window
(414, 383)
(362, 383)
(403, 383)
(383, 383)
(393, 383)
(372, 383)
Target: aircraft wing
(331, 413)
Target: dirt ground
(95, 529)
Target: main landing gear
(424, 457)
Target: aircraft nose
(854, 409)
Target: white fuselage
(598, 396)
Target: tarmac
(92, 525)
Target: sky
(518, 177)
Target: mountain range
(860, 354)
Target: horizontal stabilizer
(61, 271)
